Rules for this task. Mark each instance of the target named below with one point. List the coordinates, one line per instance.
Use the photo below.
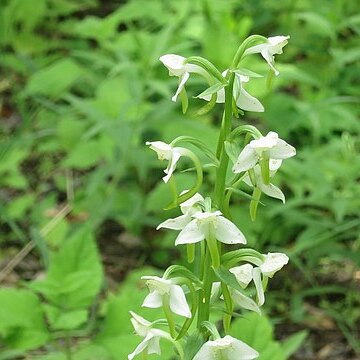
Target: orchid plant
(221, 269)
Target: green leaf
(247, 72)
(22, 324)
(65, 320)
(293, 342)
(84, 155)
(193, 345)
(211, 90)
(55, 79)
(75, 273)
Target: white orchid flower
(188, 208)
(159, 288)
(227, 348)
(268, 189)
(243, 275)
(270, 145)
(274, 45)
(205, 224)
(273, 262)
(167, 152)
(151, 342)
(177, 67)
(242, 98)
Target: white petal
(270, 60)
(163, 150)
(178, 303)
(141, 347)
(258, 286)
(255, 49)
(154, 346)
(156, 283)
(176, 154)
(265, 142)
(187, 205)
(246, 160)
(274, 166)
(247, 102)
(276, 43)
(227, 232)
(177, 223)
(190, 234)
(183, 79)
(272, 191)
(153, 300)
(239, 350)
(140, 325)
(206, 352)
(175, 63)
(273, 263)
(282, 150)
(243, 274)
(245, 302)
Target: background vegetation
(82, 89)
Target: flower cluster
(225, 271)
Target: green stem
(229, 308)
(213, 248)
(169, 316)
(68, 346)
(204, 300)
(224, 159)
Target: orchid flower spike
(167, 152)
(274, 45)
(159, 288)
(177, 67)
(242, 98)
(270, 145)
(202, 226)
(188, 208)
(227, 348)
(151, 342)
(268, 189)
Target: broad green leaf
(55, 79)
(84, 155)
(75, 275)
(65, 320)
(22, 323)
(293, 342)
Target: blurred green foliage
(81, 90)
